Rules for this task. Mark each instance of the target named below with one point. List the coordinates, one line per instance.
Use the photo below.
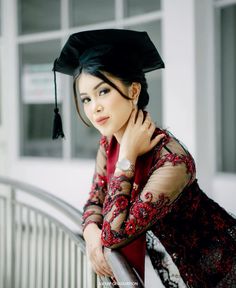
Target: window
(138, 7)
(37, 98)
(37, 53)
(84, 12)
(226, 105)
(38, 16)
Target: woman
(144, 178)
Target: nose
(98, 108)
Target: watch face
(125, 164)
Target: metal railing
(41, 243)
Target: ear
(134, 91)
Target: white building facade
(194, 97)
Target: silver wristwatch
(126, 166)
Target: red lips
(102, 120)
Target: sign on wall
(38, 84)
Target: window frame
(218, 6)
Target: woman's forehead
(88, 81)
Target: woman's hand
(94, 251)
(136, 139)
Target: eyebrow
(94, 88)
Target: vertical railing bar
(2, 232)
(40, 240)
(8, 225)
(65, 259)
(33, 250)
(5, 242)
(59, 259)
(20, 244)
(85, 268)
(13, 234)
(28, 245)
(10, 234)
(81, 268)
(43, 250)
(75, 259)
(16, 245)
(62, 258)
(36, 249)
(49, 253)
(56, 258)
(69, 264)
(52, 256)
(47, 258)
(2, 242)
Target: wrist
(90, 230)
(125, 166)
(129, 156)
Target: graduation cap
(127, 45)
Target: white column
(188, 102)
(205, 68)
(179, 75)
(9, 84)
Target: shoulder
(171, 152)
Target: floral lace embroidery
(197, 238)
(139, 217)
(176, 159)
(93, 207)
(104, 143)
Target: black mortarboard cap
(130, 44)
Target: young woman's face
(104, 106)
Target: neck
(119, 134)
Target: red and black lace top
(162, 197)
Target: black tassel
(57, 123)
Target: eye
(85, 100)
(104, 91)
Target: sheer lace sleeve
(92, 212)
(126, 217)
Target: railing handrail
(119, 265)
(41, 194)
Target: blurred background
(194, 96)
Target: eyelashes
(101, 92)
(104, 91)
(85, 100)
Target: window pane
(228, 89)
(38, 16)
(137, 7)
(84, 12)
(154, 78)
(37, 97)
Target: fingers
(132, 118)
(99, 264)
(156, 140)
(139, 117)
